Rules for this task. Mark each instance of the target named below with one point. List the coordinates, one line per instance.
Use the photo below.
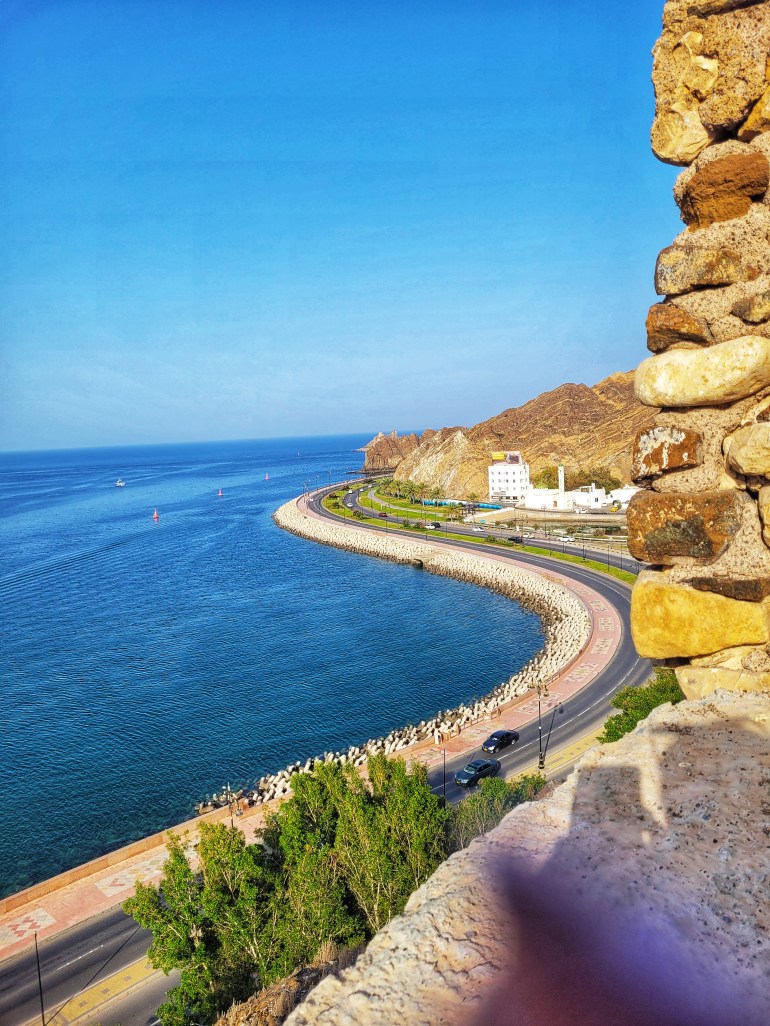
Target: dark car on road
(474, 771)
(500, 739)
(515, 538)
(382, 514)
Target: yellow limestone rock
(758, 120)
(670, 620)
(700, 681)
(723, 373)
(763, 501)
(749, 450)
(679, 134)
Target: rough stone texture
(763, 503)
(745, 589)
(724, 189)
(708, 73)
(670, 620)
(663, 448)
(685, 267)
(758, 120)
(668, 325)
(641, 853)
(699, 681)
(713, 424)
(701, 377)
(699, 527)
(749, 450)
(754, 309)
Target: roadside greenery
(334, 863)
(638, 703)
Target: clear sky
(248, 218)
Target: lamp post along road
(542, 689)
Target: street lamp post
(541, 690)
(39, 982)
(444, 776)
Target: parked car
(500, 739)
(474, 771)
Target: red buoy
(155, 515)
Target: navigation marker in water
(155, 515)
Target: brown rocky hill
(577, 425)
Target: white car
(479, 530)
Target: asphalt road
(73, 961)
(586, 711)
(70, 962)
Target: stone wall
(704, 519)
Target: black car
(382, 514)
(500, 739)
(515, 538)
(474, 771)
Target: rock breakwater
(566, 629)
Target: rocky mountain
(577, 425)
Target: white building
(508, 477)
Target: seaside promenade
(54, 906)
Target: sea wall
(703, 520)
(566, 630)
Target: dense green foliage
(638, 703)
(548, 477)
(483, 810)
(335, 863)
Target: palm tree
(421, 491)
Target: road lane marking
(90, 1000)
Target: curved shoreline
(567, 626)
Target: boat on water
(120, 483)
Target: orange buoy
(155, 515)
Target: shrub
(638, 703)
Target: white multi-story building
(508, 477)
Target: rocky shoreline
(566, 628)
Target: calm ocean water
(146, 664)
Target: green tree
(480, 812)
(638, 703)
(335, 863)
(208, 922)
(546, 477)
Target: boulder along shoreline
(566, 630)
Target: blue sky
(225, 219)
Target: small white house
(508, 477)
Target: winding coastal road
(112, 943)
(582, 714)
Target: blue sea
(146, 664)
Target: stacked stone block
(703, 521)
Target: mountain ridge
(579, 425)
